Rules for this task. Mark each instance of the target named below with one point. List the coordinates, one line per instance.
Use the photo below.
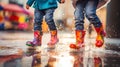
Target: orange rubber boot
(79, 40)
(100, 36)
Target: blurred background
(14, 16)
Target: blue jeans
(39, 14)
(86, 8)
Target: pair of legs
(87, 8)
(39, 14)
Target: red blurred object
(22, 26)
(97, 62)
(14, 8)
(14, 18)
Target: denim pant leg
(90, 11)
(49, 18)
(79, 16)
(38, 19)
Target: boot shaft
(54, 39)
(53, 32)
(37, 34)
(100, 31)
(80, 36)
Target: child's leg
(90, 10)
(37, 29)
(79, 25)
(50, 21)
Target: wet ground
(61, 56)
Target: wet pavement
(61, 56)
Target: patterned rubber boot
(37, 39)
(54, 39)
(79, 40)
(100, 36)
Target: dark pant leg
(90, 11)
(49, 18)
(38, 19)
(79, 16)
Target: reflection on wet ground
(76, 59)
(61, 56)
(89, 58)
